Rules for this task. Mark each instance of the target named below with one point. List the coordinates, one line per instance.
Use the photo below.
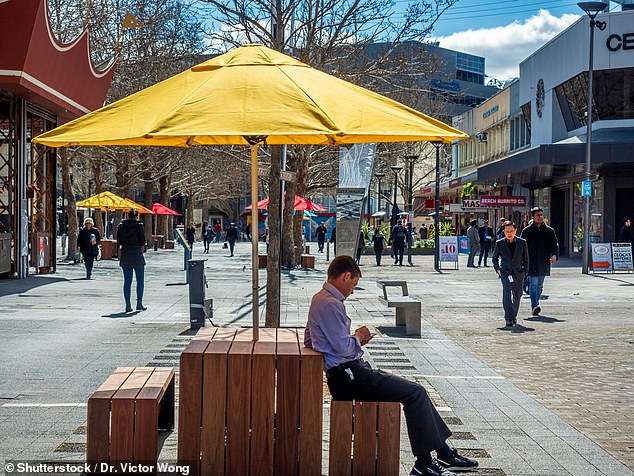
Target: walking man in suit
(474, 242)
(486, 240)
(510, 260)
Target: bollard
(198, 305)
(328, 251)
(155, 245)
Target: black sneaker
(536, 311)
(431, 469)
(456, 462)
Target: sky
(505, 32)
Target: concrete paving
(554, 397)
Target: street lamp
(379, 176)
(396, 169)
(592, 9)
(437, 145)
(410, 199)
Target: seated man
(350, 378)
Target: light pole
(410, 192)
(379, 176)
(592, 9)
(437, 145)
(396, 169)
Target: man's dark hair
(343, 264)
(535, 210)
(509, 223)
(473, 222)
(133, 214)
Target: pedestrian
(474, 242)
(625, 234)
(190, 236)
(131, 243)
(422, 232)
(543, 251)
(486, 240)
(217, 231)
(231, 236)
(360, 247)
(203, 236)
(210, 237)
(378, 242)
(333, 238)
(510, 260)
(349, 377)
(247, 231)
(321, 236)
(499, 232)
(88, 241)
(397, 240)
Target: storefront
(43, 83)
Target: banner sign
(601, 257)
(449, 249)
(493, 201)
(463, 244)
(622, 257)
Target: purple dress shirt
(328, 328)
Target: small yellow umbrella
(251, 95)
(111, 201)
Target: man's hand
(363, 334)
(553, 259)
(499, 272)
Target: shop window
(526, 112)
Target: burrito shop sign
(490, 201)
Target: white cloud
(505, 47)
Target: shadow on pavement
(516, 329)
(544, 319)
(175, 284)
(395, 332)
(15, 286)
(117, 315)
(611, 278)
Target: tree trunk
(161, 226)
(273, 260)
(288, 240)
(96, 171)
(71, 209)
(148, 187)
(189, 215)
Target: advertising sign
(586, 188)
(601, 257)
(449, 249)
(622, 257)
(493, 201)
(463, 244)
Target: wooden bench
(250, 407)
(408, 313)
(308, 261)
(364, 438)
(384, 284)
(125, 414)
(262, 261)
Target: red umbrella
(300, 204)
(159, 209)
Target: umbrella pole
(254, 242)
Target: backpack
(400, 233)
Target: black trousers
(88, 262)
(356, 380)
(320, 244)
(398, 249)
(511, 297)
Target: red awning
(159, 209)
(300, 204)
(59, 77)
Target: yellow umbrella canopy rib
(251, 91)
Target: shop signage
(601, 257)
(469, 204)
(486, 114)
(586, 188)
(448, 249)
(492, 201)
(617, 42)
(463, 244)
(622, 257)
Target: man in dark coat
(625, 234)
(474, 242)
(543, 250)
(397, 238)
(131, 243)
(321, 236)
(486, 241)
(510, 260)
(232, 236)
(88, 241)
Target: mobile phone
(372, 334)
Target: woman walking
(131, 243)
(88, 242)
(378, 241)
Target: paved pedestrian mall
(555, 396)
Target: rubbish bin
(199, 307)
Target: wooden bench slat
(311, 411)
(156, 385)
(364, 447)
(215, 400)
(340, 452)
(263, 407)
(98, 416)
(288, 388)
(190, 404)
(238, 406)
(389, 440)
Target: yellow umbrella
(251, 95)
(138, 207)
(111, 201)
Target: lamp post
(592, 9)
(396, 169)
(437, 145)
(379, 176)
(410, 199)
